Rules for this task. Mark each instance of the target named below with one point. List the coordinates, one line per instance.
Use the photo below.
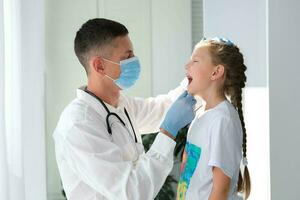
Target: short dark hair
(96, 34)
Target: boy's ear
(218, 72)
(97, 64)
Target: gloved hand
(180, 114)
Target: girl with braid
(216, 139)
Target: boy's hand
(179, 114)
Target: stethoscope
(109, 114)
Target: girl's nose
(187, 65)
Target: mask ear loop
(111, 61)
(110, 78)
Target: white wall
(171, 42)
(33, 98)
(24, 114)
(245, 23)
(284, 71)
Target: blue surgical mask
(130, 72)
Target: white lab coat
(94, 165)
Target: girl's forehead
(200, 50)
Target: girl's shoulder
(223, 110)
(224, 113)
(225, 120)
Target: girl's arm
(221, 185)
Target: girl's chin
(190, 91)
(193, 92)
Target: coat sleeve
(98, 162)
(150, 112)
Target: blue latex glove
(180, 114)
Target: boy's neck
(110, 94)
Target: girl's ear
(218, 72)
(97, 64)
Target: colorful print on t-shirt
(190, 159)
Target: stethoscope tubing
(109, 114)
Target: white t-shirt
(214, 139)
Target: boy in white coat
(98, 143)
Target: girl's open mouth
(189, 79)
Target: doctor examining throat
(98, 144)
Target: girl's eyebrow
(193, 57)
